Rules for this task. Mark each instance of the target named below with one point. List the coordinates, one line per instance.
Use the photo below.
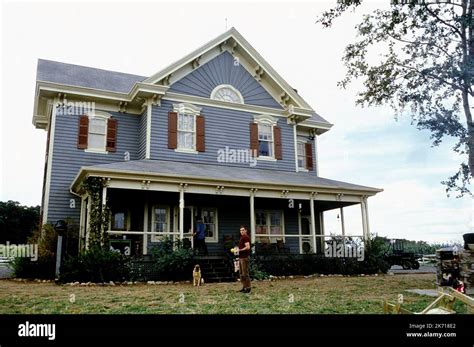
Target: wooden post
(145, 228)
(343, 227)
(252, 218)
(313, 220)
(364, 219)
(366, 204)
(181, 213)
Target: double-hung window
(268, 223)
(186, 131)
(160, 223)
(97, 135)
(265, 140)
(209, 219)
(301, 155)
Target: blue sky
(365, 146)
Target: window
(97, 133)
(186, 131)
(268, 223)
(160, 222)
(209, 218)
(301, 155)
(265, 140)
(119, 221)
(226, 92)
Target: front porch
(279, 222)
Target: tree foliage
(17, 222)
(426, 69)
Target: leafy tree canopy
(426, 69)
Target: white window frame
(186, 110)
(301, 168)
(159, 237)
(127, 220)
(268, 120)
(268, 225)
(214, 239)
(102, 116)
(227, 86)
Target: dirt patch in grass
(299, 295)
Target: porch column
(252, 217)
(87, 226)
(181, 212)
(366, 203)
(82, 227)
(145, 228)
(313, 220)
(104, 203)
(343, 227)
(104, 196)
(321, 225)
(364, 219)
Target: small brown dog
(197, 276)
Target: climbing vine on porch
(99, 214)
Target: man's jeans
(244, 272)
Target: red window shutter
(309, 155)
(172, 130)
(277, 139)
(254, 137)
(83, 132)
(111, 135)
(200, 134)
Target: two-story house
(218, 135)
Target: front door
(306, 245)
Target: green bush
(173, 261)
(44, 267)
(96, 265)
(256, 270)
(307, 264)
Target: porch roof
(220, 174)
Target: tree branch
(454, 86)
(421, 43)
(456, 30)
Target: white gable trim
(233, 41)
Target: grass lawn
(299, 295)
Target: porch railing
(321, 238)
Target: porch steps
(215, 269)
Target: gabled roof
(232, 38)
(131, 91)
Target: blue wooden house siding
(224, 69)
(223, 127)
(142, 136)
(67, 159)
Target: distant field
(299, 295)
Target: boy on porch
(200, 237)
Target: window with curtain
(186, 131)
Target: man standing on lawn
(244, 253)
